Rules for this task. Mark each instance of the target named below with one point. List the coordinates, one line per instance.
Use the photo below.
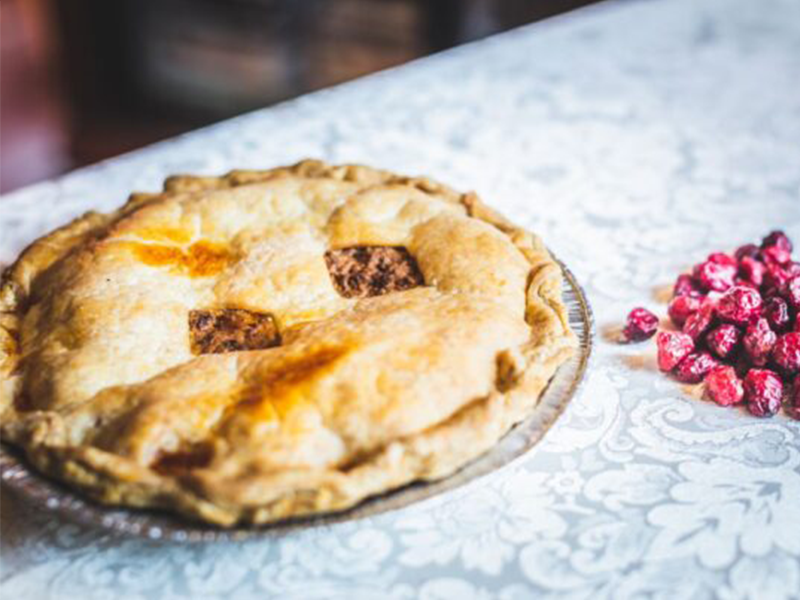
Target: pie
(271, 344)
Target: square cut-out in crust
(214, 331)
(363, 271)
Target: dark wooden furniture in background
(89, 79)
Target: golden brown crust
(102, 386)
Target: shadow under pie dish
(273, 344)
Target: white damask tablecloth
(636, 137)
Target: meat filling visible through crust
(231, 329)
(363, 271)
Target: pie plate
(36, 490)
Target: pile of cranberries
(738, 327)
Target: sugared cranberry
(683, 307)
(776, 254)
(792, 292)
(640, 325)
(758, 342)
(722, 259)
(723, 340)
(752, 270)
(673, 347)
(747, 251)
(763, 391)
(739, 305)
(776, 312)
(779, 239)
(724, 387)
(695, 367)
(715, 276)
(775, 279)
(700, 322)
(685, 286)
(786, 354)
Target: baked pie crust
(271, 344)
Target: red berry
(792, 292)
(763, 391)
(724, 387)
(776, 254)
(700, 322)
(779, 239)
(752, 270)
(776, 312)
(673, 347)
(715, 276)
(685, 286)
(641, 325)
(723, 340)
(786, 354)
(775, 279)
(682, 307)
(739, 305)
(758, 342)
(695, 367)
(722, 259)
(748, 250)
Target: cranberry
(673, 347)
(763, 390)
(695, 367)
(641, 325)
(775, 279)
(786, 354)
(752, 270)
(700, 322)
(758, 342)
(739, 305)
(685, 286)
(776, 312)
(723, 340)
(682, 307)
(777, 255)
(715, 276)
(722, 259)
(778, 239)
(792, 292)
(724, 387)
(747, 251)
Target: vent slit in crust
(363, 271)
(230, 330)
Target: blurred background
(82, 80)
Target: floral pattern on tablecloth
(636, 137)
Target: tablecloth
(636, 137)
